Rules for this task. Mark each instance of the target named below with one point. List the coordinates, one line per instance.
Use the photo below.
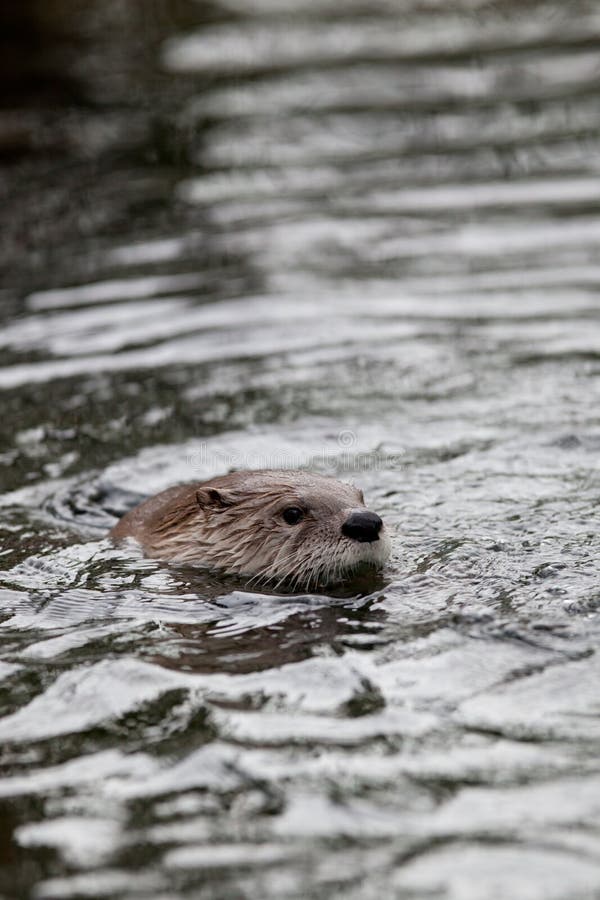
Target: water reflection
(233, 646)
(232, 233)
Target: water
(364, 240)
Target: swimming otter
(277, 526)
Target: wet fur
(234, 523)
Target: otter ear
(210, 497)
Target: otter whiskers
(272, 526)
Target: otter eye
(292, 515)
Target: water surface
(360, 240)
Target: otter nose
(362, 525)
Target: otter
(282, 526)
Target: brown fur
(235, 523)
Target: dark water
(363, 238)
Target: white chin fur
(347, 557)
(375, 553)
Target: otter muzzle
(363, 526)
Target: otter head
(287, 526)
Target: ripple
(260, 47)
(444, 870)
(111, 291)
(354, 222)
